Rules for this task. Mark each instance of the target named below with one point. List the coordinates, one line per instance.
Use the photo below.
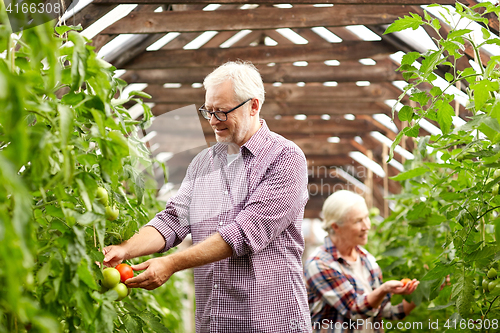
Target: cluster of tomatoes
(102, 196)
(114, 278)
(491, 283)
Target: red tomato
(126, 272)
(405, 282)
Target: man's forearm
(147, 241)
(210, 250)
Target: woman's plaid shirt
(256, 204)
(336, 298)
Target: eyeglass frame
(201, 110)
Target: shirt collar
(254, 145)
(332, 249)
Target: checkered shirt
(256, 203)
(337, 300)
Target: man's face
(236, 128)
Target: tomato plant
(64, 132)
(447, 226)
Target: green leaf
(410, 174)
(132, 324)
(414, 21)
(436, 91)
(486, 33)
(139, 93)
(64, 28)
(393, 146)
(420, 97)
(485, 252)
(406, 113)
(438, 272)
(85, 275)
(457, 33)
(482, 91)
(43, 273)
(466, 297)
(445, 112)
(88, 218)
(153, 322)
(412, 131)
(441, 307)
(449, 77)
(84, 194)
(409, 58)
(65, 123)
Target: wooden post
(385, 154)
(369, 182)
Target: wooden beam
(90, 13)
(213, 57)
(383, 71)
(271, 109)
(294, 2)
(255, 19)
(286, 93)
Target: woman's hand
(398, 287)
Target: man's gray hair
(337, 206)
(246, 79)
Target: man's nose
(213, 120)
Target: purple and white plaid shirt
(256, 203)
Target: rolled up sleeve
(173, 222)
(278, 201)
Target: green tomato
(112, 213)
(111, 277)
(102, 196)
(485, 284)
(122, 291)
(494, 189)
(492, 285)
(374, 211)
(492, 273)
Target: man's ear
(254, 107)
(335, 226)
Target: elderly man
(242, 200)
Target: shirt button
(215, 286)
(221, 223)
(226, 192)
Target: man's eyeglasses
(220, 115)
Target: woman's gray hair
(336, 207)
(246, 79)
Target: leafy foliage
(446, 221)
(62, 135)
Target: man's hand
(114, 255)
(157, 272)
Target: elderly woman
(344, 282)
